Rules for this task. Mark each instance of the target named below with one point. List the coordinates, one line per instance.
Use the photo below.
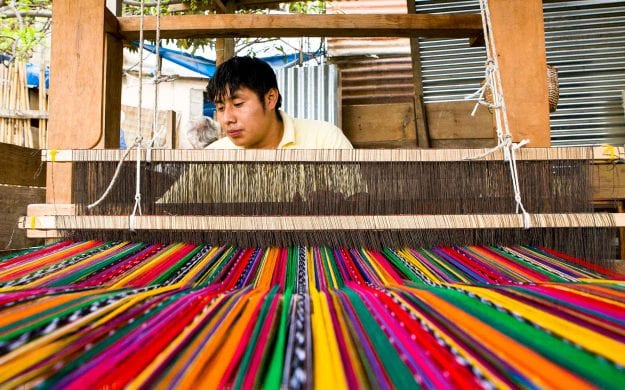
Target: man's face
(246, 121)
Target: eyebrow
(221, 98)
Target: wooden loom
(358, 198)
(127, 314)
(97, 126)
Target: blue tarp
(32, 75)
(206, 67)
(194, 63)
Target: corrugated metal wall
(373, 70)
(585, 40)
(451, 69)
(311, 92)
(368, 46)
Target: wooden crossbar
(320, 223)
(339, 25)
(325, 155)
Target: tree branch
(33, 14)
(153, 4)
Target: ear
(271, 98)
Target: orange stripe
(540, 370)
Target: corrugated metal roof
(451, 69)
(584, 39)
(373, 70)
(376, 80)
(368, 46)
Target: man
(247, 100)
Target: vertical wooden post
(421, 123)
(83, 67)
(224, 47)
(519, 32)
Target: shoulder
(222, 143)
(319, 134)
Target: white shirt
(300, 134)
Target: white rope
(157, 80)
(137, 142)
(139, 138)
(498, 106)
(113, 180)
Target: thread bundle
(115, 314)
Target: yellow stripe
(586, 338)
(147, 265)
(193, 272)
(328, 368)
(466, 354)
(151, 369)
(69, 269)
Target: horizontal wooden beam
(331, 155)
(23, 114)
(319, 223)
(300, 25)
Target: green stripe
(78, 275)
(595, 369)
(173, 269)
(252, 343)
(398, 373)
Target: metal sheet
(585, 40)
(311, 92)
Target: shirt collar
(288, 136)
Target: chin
(239, 142)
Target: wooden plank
(224, 47)
(21, 166)
(320, 222)
(619, 265)
(257, 25)
(36, 209)
(380, 124)
(472, 143)
(47, 234)
(13, 203)
(519, 33)
(111, 24)
(325, 155)
(77, 82)
(453, 120)
(113, 71)
(421, 119)
(608, 181)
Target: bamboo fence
(15, 110)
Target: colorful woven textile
(121, 314)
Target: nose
(227, 115)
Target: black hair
(238, 72)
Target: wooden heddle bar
(319, 223)
(331, 155)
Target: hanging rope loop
(492, 84)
